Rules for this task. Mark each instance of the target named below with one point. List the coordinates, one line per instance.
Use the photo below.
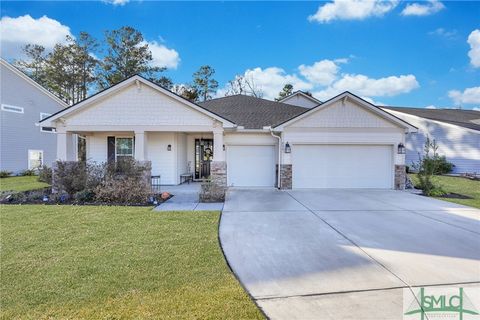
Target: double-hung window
(124, 148)
(35, 159)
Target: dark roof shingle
(251, 112)
(464, 118)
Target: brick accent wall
(286, 176)
(400, 177)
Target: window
(44, 115)
(81, 148)
(35, 159)
(123, 148)
(9, 108)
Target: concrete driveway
(346, 254)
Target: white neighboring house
(239, 141)
(456, 131)
(23, 144)
(301, 99)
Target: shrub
(437, 192)
(123, 189)
(28, 172)
(70, 177)
(45, 174)
(440, 165)
(84, 196)
(5, 174)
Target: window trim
(125, 155)
(44, 115)
(41, 160)
(18, 109)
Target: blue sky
(397, 53)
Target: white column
(218, 152)
(65, 147)
(140, 145)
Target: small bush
(84, 196)
(28, 172)
(437, 192)
(70, 176)
(34, 196)
(5, 174)
(439, 164)
(123, 189)
(45, 174)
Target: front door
(203, 157)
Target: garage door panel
(342, 166)
(251, 166)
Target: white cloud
(17, 32)
(423, 9)
(163, 56)
(364, 86)
(322, 72)
(441, 32)
(476, 109)
(430, 107)
(117, 2)
(468, 96)
(352, 10)
(474, 53)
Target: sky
(416, 54)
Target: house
(301, 99)
(23, 144)
(456, 131)
(240, 141)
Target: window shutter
(111, 149)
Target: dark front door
(203, 157)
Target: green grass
(24, 183)
(458, 185)
(89, 262)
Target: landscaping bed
(89, 262)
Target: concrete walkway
(185, 198)
(346, 254)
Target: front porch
(173, 155)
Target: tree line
(73, 68)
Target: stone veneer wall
(400, 176)
(286, 176)
(215, 191)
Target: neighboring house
(239, 141)
(24, 145)
(456, 132)
(301, 99)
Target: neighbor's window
(124, 148)
(35, 159)
(9, 108)
(44, 115)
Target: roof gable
(149, 96)
(346, 110)
(301, 99)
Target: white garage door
(342, 166)
(251, 166)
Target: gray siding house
(23, 144)
(456, 131)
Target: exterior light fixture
(169, 147)
(223, 147)
(287, 148)
(401, 148)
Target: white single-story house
(456, 132)
(240, 141)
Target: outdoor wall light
(223, 147)
(169, 147)
(287, 148)
(401, 148)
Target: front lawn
(23, 183)
(458, 185)
(88, 262)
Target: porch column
(285, 168)
(65, 146)
(218, 152)
(218, 167)
(140, 145)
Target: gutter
(279, 181)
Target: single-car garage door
(342, 166)
(251, 166)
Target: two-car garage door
(342, 166)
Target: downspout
(279, 180)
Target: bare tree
(242, 85)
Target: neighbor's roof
(464, 118)
(251, 112)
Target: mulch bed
(455, 196)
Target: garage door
(342, 166)
(251, 166)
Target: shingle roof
(251, 112)
(464, 118)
